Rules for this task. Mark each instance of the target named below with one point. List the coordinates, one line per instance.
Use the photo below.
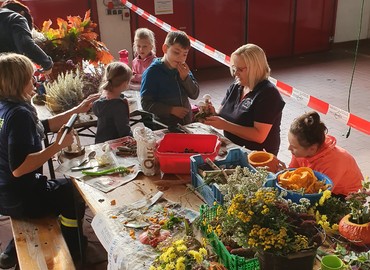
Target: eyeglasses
(237, 69)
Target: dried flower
(66, 91)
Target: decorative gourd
(358, 234)
(216, 266)
(263, 159)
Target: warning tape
(303, 98)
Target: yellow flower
(179, 242)
(170, 266)
(180, 265)
(203, 251)
(196, 255)
(325, 195)
(181, 248)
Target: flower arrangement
(92, 80)
(355, 226)
(329, 211)
(359, 205)
(268, 222)
(75, 40)
(181, 254)
(65, 92)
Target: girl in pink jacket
(312, 147)
(144, 52)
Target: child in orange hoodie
(312, 147)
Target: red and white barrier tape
(306, 99)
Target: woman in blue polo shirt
(251, 111)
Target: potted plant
(355, 226)
(329, 210)
(65, 92)
(72, 42)
(284, 234)
(185, 253)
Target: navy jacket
(15, 36)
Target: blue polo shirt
(263, 104)
(18, 138)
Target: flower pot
(264, 159)
(358, 234)
(303, 260)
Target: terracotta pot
(303, 260)
(264, 159)
(358, 234)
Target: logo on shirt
(1, 122)
(247, 103)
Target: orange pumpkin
(216, 266)
(358, 234)
(263, 159)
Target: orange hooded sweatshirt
(336, 163)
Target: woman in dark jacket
(16, 24)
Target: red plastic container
(175, 149)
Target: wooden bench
(40, 244)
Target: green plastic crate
(230, 261)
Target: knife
(77, 168)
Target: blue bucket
(296, 196)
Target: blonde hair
(16, 71)
(255, 60)
(144, 33)
(116, 73)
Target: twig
(215, 167)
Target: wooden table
(88, 120)
(173, 186)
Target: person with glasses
(250, 113)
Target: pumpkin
(358, 234)
(263, 159)
(216, 266)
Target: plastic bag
(146, 143)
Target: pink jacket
(139, 66)
(336, 163)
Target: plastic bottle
(123, 56)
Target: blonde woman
(250, 113)
(24, 191)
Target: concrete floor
(326, 76)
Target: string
(354, 65)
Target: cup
(331, 262)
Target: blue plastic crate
(211, 193)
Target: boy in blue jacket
(167, 84)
